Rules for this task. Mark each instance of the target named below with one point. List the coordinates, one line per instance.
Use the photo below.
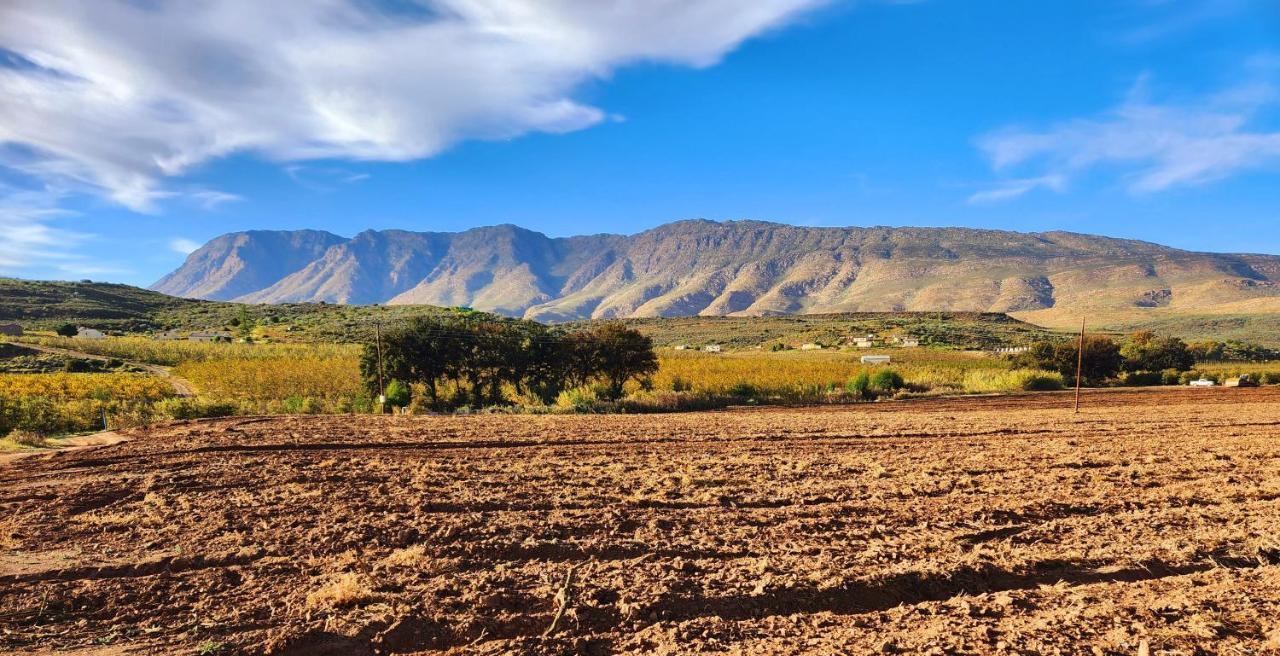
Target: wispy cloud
(1008, 189)
(183, 245)
(95, 98)
(28, 236)
(323, 178)
(209, 199)
(1154, 146)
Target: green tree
(617, 354)
(398, 394)
(1144, 351)
(1102, 359)
(66, 329)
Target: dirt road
(955, 526)
(181, 386)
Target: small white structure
(1203, 382)
(811, 346)
(89, 333)
(682, 347)
(864, 341)
(711, 348)
(875, 359)
(11, 329)
(1013, 349)
(909, 342)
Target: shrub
(578, 399)
(28, 438)
(1026, 380)
(860, 386)
(398, 394)
(743, 390)
(658, 401)
(1141, 378)
(188, 408)
(887, 380)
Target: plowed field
(960, 526)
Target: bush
(657, 401)
(887, 380)
(860, 386)
(578, 399)
(398, 394)
(1141, 378)
(1025, 380)
(188, 408)
(28, 438)
(743, 390)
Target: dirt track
(999, 525)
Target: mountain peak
(741, 267)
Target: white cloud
(209, 199)
(1155, 146)
(118, 95)
(26, 234)
(183, 246)
(1009, 189)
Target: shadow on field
(914, 587)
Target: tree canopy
(475, 359)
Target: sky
(133, 131)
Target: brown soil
(951, 526)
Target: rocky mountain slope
(731, 268)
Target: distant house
(168, 335)
(214, 336)
(875, 359)
(11, 329)
(909, 342)
(1013, 349)
(89, 333)
(864, 342)
(811, 346)
(711, 348)
(682, 347)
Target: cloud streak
(1154, 146)
(93, 97)
(28, 237)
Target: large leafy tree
(1102, 359)
(1145, 351)
(619, 354)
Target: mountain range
(740, 268)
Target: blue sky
(132, 132)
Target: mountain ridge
(744, 268)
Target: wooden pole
(382, 390)
(1079, 365)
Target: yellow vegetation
(343, 591)
(101, 387)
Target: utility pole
(382, 390)
(1079, 365)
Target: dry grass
(414, 556)
(344, 591)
